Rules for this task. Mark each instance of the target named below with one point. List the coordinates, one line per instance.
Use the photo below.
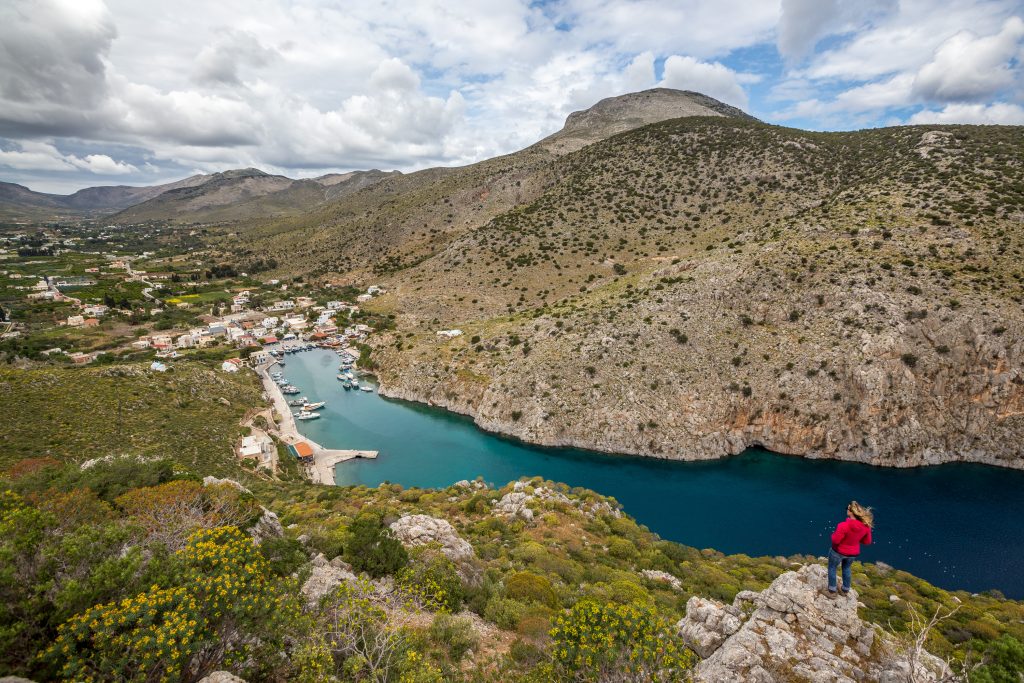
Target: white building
(270, 322)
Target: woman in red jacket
(846, 542)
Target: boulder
(514, 505)
(325, 577)
(267, 526)
(795, 632)
(222, 677)
(417, 530)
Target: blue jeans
(834, 560)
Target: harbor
(320, 461)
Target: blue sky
(100, 92)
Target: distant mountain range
(229, 195)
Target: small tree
(370, 632)
(170, 512)
(372, 548)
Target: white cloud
(805, 22)
(905, 40)
(44, 156)
(221, 62)
(102, 164)
(967, 66)
(1002, 113)
(712, 79)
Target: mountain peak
(618, 114)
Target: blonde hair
(862, 513)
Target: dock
(324, 459)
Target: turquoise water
(955, 525)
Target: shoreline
(507, 430)
(324, 459)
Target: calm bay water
(955, 525)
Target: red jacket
(848, 536)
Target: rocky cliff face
(865, 404)
(792, 631)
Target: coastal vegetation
(91, 586)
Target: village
(62, 304)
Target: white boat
(314, 406)
(306, 415)
(366, 388)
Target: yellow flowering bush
(596, 642)
(224, 610)
(434, 581)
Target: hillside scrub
(78, 570)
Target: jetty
(321, 469)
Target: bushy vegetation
(131, 567)
(189, 414)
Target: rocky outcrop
(324, 577)
(267, 526)
(221, 677)
(514, 505)
(662, 577)
(794, 632)
(214, 481)
(418, 530)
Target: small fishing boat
(346, 385)
(306, 416)
(299, 402)
(314, 406)
(289, 389)
(366, 388)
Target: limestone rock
(514, 505)
(213, 481)
(795, 632)
(416, 530)
(663, 577)
(222, 677)
(707, 624)
(324, 578)
(267, 526)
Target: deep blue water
(956, 525)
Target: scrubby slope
(190, 414)
(702, 285)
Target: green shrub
(504, 612)
(454, 634)
(598, 642)
(528, 587)
(433, 578)
(372, 548)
